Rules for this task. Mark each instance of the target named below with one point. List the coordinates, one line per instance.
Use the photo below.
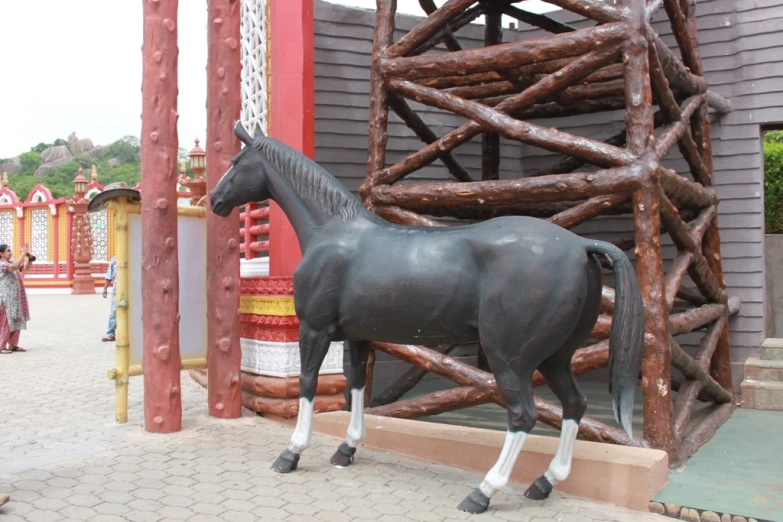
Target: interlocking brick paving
(62, 457)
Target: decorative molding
(263, 305)
(284, 334)
(269, 320)
(268, 286)
(281, 359)
(258, 267)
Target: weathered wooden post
(160, 262)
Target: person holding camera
(14, 308)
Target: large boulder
(115, 162)
(47, 167)
(56, 153)
(99, 151)
(11, 166)
(79, 146)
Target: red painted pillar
(160, 263)
(292, 112)
(223, 109)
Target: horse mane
(310, 180)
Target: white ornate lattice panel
(39, 246)
(255, 110)
(7, 227)
(99, 226)
(277, 359)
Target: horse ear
(241, 133)
(258, 133)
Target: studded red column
(160, 276)
(223, 109)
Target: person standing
(14, 308)
(111, 276)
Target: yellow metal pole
(123, 347)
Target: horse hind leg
(355, 434)
(517, 393)
(561, 380)
(313, 346)
(556, 369)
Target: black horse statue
(527, 290)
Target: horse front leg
(313, 346)
(359, 351)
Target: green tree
(30, 162)
(773, 182)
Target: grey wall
(773, 247)
(742, 50)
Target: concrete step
(762, 395)
(772, 350)
(758, 369)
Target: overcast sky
(75, 66)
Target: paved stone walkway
(62, 457)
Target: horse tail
(626, 337)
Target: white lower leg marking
(356, 431)
(300, 440)
(498, 476)
(560, 466)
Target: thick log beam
(405, 382)
(699, 269)
(680, 129)
(702, 433)
(596, 152)
(656, 357)
(684, 192)
(405, 217)
(674, 277)
(687, 145)
(721, 363)
(571, 163)
(694, 372)
(695, 318)
(721, 104)
(160, 262)
(505, 56)
(428, 27)
(446, 34)
(623, 180)
(551, 83)
(379, 97)
(434, 403)
(425, 134)
(587, 210)
(683, 407)
(680, 78)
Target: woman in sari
(14, 310)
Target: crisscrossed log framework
(619, 62)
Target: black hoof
(343, 457)
(286, 462)
(477, 502)
(539, 490)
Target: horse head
(247, 179)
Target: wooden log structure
(616, 63)
(160, 276)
